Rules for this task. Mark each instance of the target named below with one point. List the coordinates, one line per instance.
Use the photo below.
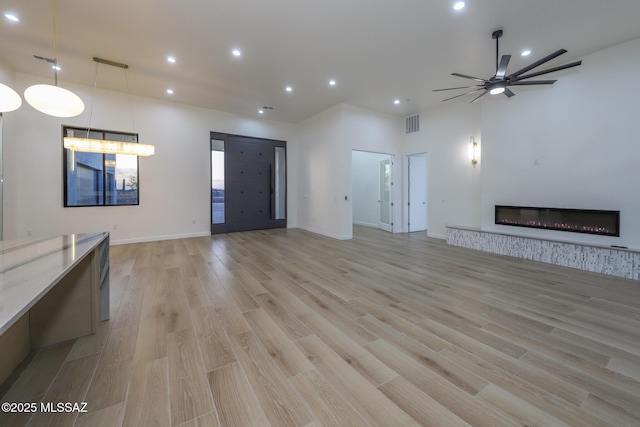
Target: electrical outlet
(115, 226)
(29, 232)
(193, 220)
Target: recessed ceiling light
(236, 52)
(288, 89)
(260, 111)
(397, 101)
(170, 91)
(525, 52)
(459, 5)
(171, 59)
(56, 67)
(11, 17)
(332, 82)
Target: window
(97, 179)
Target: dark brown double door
(248, 190)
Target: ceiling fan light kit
(500, 82)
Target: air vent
(412, 124)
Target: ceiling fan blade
(463, 94)
(479, 96)
(469, 77)
(538, 63)
(533, 82)
(502, 68)
(550, 70)
(508, 92)
(452, 88)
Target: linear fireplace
(606, 223)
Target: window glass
(99, 179)
(217, 182)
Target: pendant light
(9, 99)
(53, 99)
(106, 146)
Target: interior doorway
(417, 192)
(248, 183)
(372, 189)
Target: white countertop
(29, 268)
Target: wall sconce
(473, 151)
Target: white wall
(367, 130)
(9, 165)
(575, 144)
(321, 184)
(174, 183)
(325, 143)
(453, 184)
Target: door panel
(417, 193)
(385, 195)
(249, 172)
(249, 183)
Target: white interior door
(386, 220)
(417, 204)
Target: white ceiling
(377, 50)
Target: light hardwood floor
(285, 327)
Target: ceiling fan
(500, 81)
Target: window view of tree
(98, 179)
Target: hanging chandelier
(53, 99)
(107, 146)
(9, 99)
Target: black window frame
(104, 193)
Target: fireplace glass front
(600, 222)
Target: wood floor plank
(458, 401)
(289, 300)
(234, 397)
(278, 399)
(367, 400)
(436, 362)
(286, 320)
(90, 344)
(148, 398)
(606, 392)
(105, 417)
(207, 420)
(284, 352)
(70, 387)
(325, 403)
(228, 313)
(259, 327)
(525, 413)
(418, 404)
(111, 379)
(36, 379)
(350, 351)
(213, 341)
(190, 396)
(338, 318)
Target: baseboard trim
(324, 233)
(159, 238)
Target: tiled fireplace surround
(600, 259)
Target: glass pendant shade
(9, 99)
(54, 100)
(108, 146)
